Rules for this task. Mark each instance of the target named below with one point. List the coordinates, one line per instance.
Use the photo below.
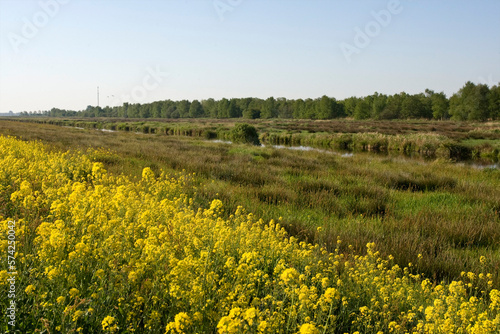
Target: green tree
(183, 108)
(223, 107)
(195, 110)
(106, 111)
(269, 108)
(167, 108)
(350, 105)
(494, 102)
(479, 104)
(284, 108)
(471, 102)
(133, 111)
(458, 108)
(156, 110)
(309, 109)
(145, 111)
(251, 113)
(326, 108)
(378, 105)
(426, 99)
(412, 107)
(298, 108)
(392, 109)
(210, 107)
(244, 104)
(234, 109)
(123, 110)
(440, 106)
(256, 104)
(457, 111)
(363, 109)
(114, 111)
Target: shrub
(244, 133)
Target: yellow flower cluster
(101, 253)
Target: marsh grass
(430, 139)
(448, 213)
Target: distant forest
(472, 102)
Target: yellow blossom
(73, 292)
(308, 329)
(108, 324)
(29, 289)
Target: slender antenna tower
(98, 96)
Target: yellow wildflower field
(98, 253)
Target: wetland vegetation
(434, 212)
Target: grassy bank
(439, 215)
(448, 140)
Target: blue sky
(54, 53)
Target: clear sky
(54, 53)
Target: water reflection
(479, 165)
(220, 141)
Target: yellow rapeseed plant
(101, 253)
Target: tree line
(473, 102)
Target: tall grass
(450, 140)
(447, 213)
